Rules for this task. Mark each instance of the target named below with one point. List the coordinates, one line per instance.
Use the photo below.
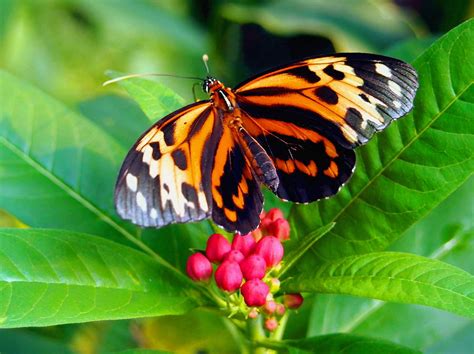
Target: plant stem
(278, 334)
(256, 334)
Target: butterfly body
(292, 129)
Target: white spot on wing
(397, 104)
(132, 182)
(153, 213)
(141, 201)
(396, 89)
(383, 70)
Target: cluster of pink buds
(248, 267)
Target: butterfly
(292, 129)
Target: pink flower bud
(228, 276)
(280, 309)
(269, 307)
(253, 267)
(274, 214)
(243, 243)
(217, 247)
(198, 267)
(293, 301)
(234, 255)
(253, 313)
(254, 292)
(270, 249)
(279, 228)
(271, 324)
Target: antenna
(205, 59)
(131, 76)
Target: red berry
(198, 267)
(243, 243)
(271, 324)
(293, 301)
(217, 247)
(270, 307)
(253, 267)
(271, 249)
(280, 309)
(234, 255)
(254, 292)
(279, 228)
(228, 276)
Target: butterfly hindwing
(346, 97)
(164, 177)
(237, 199)
(309, 165)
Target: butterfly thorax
(222, 97)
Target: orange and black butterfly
(292, 129)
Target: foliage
(401, 231)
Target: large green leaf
(51, 277)
(57, 169)
(414, 326)
(410, 168)
(155, 99)
(395, 277)
(15, 341)
(347, 344)
(346, 22)
(120, 117)
(447, 233)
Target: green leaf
(347, 23)
(415, 326)
(411, 167)
(120, 117)
(27, 342)
(57, 169)
(410, 49)
(447, 233)
(411, 325)
(155, 99)
(460, 342)
(302, 246)
(140, 351)
(347, 344)
(395, 277)
(7, 7)
(59, 277)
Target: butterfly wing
(309, 115)
(165, 176)
(346, 97)
(237, 199)
(309, 165)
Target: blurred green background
(65, 46)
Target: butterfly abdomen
(261, 163)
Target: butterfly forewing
(165, 176)
(346, 97)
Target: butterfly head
(211, 84)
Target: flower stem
(256, 334)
